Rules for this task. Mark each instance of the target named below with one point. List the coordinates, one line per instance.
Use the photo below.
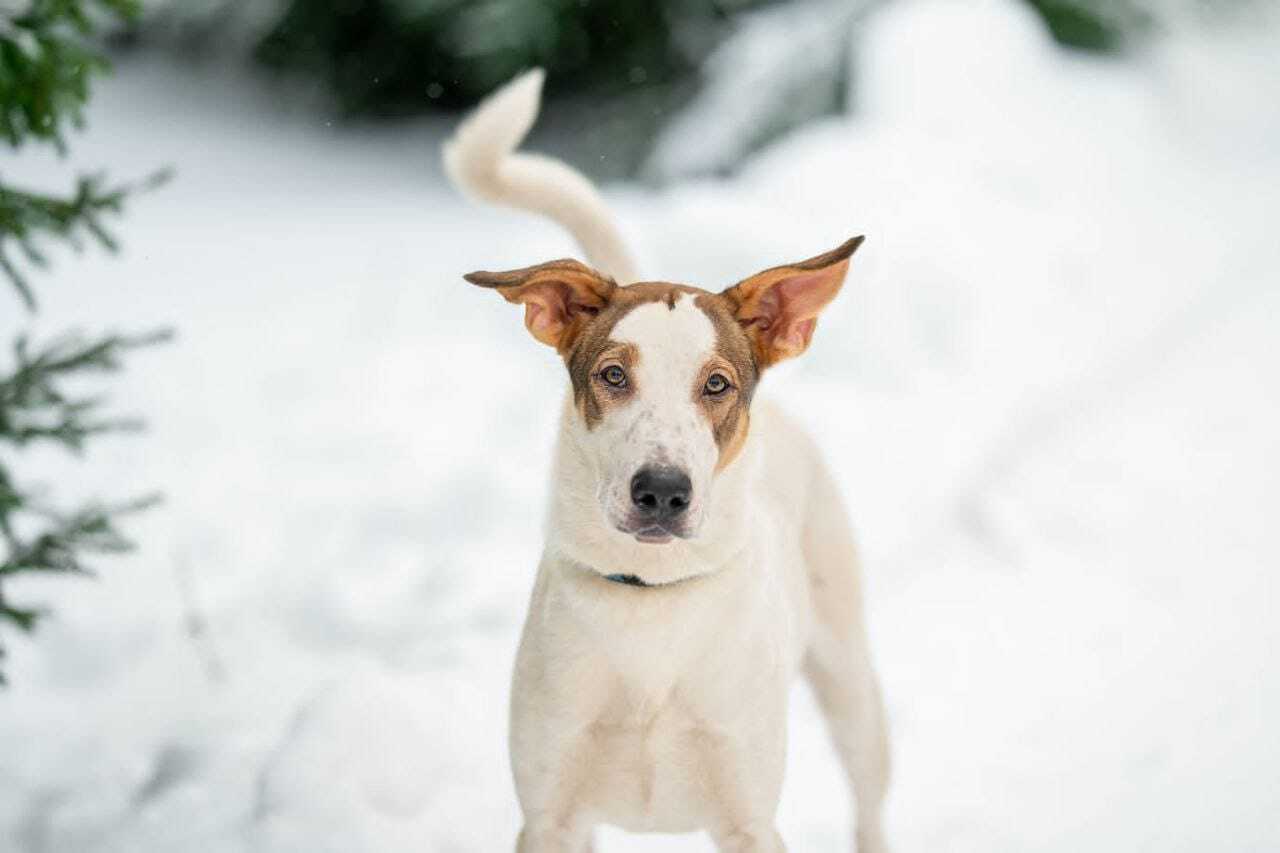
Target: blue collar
(629, 580)
(636, 580)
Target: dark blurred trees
(395, 56)
(1092, 25)
(47, 62)
(632, 63)
(381, 57)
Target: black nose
(661, 493)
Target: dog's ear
(559, 297)
(779, 308)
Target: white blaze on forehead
(662, 423)
(673, 344)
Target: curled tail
(481, 159)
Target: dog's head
(663, 374)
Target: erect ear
(779, 308)
(559, 297)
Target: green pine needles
(47, 60)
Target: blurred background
(1049, 389)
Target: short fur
(650, 689)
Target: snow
(1049, 389)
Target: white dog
(697, 549)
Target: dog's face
(663, 374)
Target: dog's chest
(653, 692)
(677, 694)
(658, 742)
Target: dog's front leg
(742, 775)
(553, 778)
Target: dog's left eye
(614, 375)
(716, 385)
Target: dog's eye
(614, 375)
(716, 385)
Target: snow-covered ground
(1051, 389)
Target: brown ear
(558, 297)
(779, 308)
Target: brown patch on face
(730, 449)
(597, 397)
(730, 412)
(593, 348)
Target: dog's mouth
(648, 528)
(652, 534)
(655, 535)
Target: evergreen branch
(46, 64)
(47, 61)
(17, 280)
(33, 404)
(58, 549)
(25, 216)
(24, 618)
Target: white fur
(664, 708)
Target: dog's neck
(578, 532)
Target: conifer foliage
(47, 62)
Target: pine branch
(47, 60)
(59, 547)
(26, 216)
(35, 407)
(23, 215)
(46, 63)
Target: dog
(697, 549)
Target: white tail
(481, 159)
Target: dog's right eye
(614, 375)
